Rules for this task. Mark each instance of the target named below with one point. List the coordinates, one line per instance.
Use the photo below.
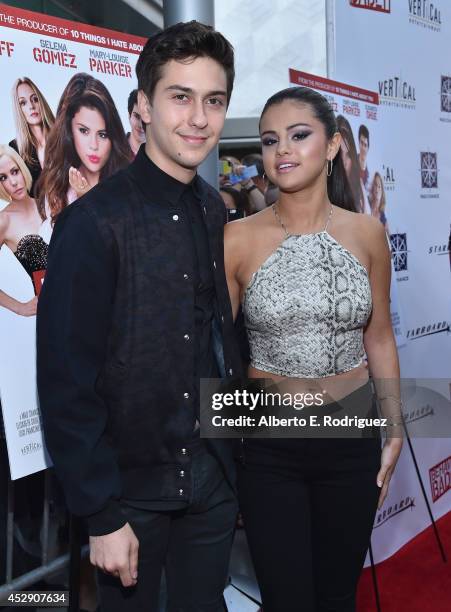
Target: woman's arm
(25, 309)
(380, 347)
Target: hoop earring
(264, 176)
(330, 168)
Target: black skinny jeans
(308, 507)
(193, 545)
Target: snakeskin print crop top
(306, 306)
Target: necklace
(283, 226)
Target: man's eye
(215, 102)
(181, 97)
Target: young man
(134, 310)
(137, 135)
(364, 145)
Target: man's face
(185, 116)
(363, 147)
(136, 125)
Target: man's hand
(117, 554)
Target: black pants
(193, 545)
(308, 507)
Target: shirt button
(183, 451)
(185, 276)
(222, 318)
(186, 395)
(175, 217)
(230, 371)
(180, 491)
(214, 265)
(182, 473)
(205, 210)
(186, 337)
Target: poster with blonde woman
(33, 118)
(63, 129)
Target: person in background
(364, 145)
(34, 119)
(257, 185)
(348, 152)
(137, 135)
(377, 200)
(234, 200)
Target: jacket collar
(156, 184)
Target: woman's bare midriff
(333, 388)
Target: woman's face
(29, 103)
(294, 146)
(377, 189)
(12, 178)
(346, 157)
(91, 140)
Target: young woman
(313, 278)
(20, 226)
(377, 200)
(348, 153)
(33, 118)
(87, 144)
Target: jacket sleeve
(73, 320)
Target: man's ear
(144, 107)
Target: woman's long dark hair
(82, 90)
(338, 187)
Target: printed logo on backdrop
(388, 176)
(438, 249)
(440, 479)
(429, 174)
(445, 98)
(397, 92)
(333, 102)
(417, 414)
(398, 244)
(425, 14)
(428, 329)
(393, 510)
(382, 6)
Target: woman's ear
(334, 145)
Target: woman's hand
(390, 454)
(27, 309)
(78, 182)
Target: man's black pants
(193, 545)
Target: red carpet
(415, 579)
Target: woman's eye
(103, 135)
(268, 141)
(83, 130)
(301, 135)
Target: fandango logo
(382, 6)
(425, 10)
(397, 90)
(440, 478)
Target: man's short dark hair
(180, 42)
(254, 159)
(132, 100)
(363, 131)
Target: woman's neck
(38, 134)
(304, 211)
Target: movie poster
(68, 121)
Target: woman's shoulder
(366, 226)
(4, 222)
(246, 228)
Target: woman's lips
(94, 159)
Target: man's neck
(179, 173)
